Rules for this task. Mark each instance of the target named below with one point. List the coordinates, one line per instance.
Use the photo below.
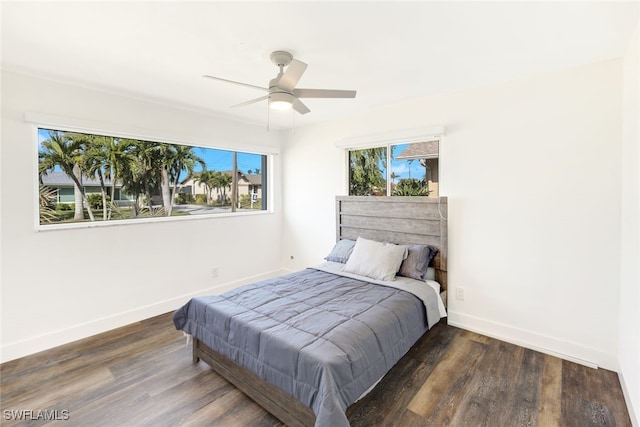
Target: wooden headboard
(408, 220)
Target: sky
(222, 160)
(403, 168)
(217, 160)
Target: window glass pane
(79, 173)
(368, 172)
(414, 169)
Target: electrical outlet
(214, 272)
(460, 293)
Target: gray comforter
(323, 338)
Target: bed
(307, 345)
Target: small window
(405, 169)
(88, 178)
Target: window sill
(111, 223)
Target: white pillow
(380, 261)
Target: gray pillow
(341, 251)
(417, 262)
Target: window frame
(42, 121)
(388, 139)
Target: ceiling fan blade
(323, 93)
(299, 106)
(251, 101)
(290, 77)
(236, 83)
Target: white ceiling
(388, 51)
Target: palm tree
(65, 151)
(207, 179)
(46, 199)
(214, 183)
(166, 154)
(174, 159)
(142, 177)
(393, 177)
(180, 158)
(366, 174)
(224, 181)
(94, 161)
(105, 157)
(117, 159)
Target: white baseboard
(35, 344)
(553, 346)
(630, 402)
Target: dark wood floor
(142, 375)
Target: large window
(406, 169)
(90, 178)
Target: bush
(95, 200)
(183, 198)
(411, 187)
(245, 202)
(201, 199)
(66, 207)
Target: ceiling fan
(282, 91)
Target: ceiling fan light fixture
(282, 93)
(281, 101)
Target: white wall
(629, 348)
(62, 285)
(532, 172)
(537, 172)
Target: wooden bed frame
(413, 220)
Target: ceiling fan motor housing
(281, 58)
